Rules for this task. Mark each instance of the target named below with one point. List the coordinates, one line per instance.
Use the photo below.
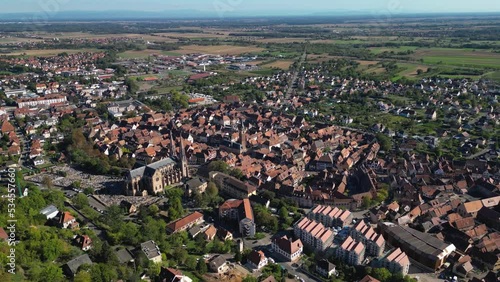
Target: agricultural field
(284, 65)
(280, 40)
(459, 57)
(219, 49)
(142, 54)
(379, 50)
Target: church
(153, 178)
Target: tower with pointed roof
(243, 137)
(173, 154)
(183, 160)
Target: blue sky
(250, 6)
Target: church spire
(173, 155)
(243, 136)
(183, 160)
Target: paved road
(98, 232)
(294, 76)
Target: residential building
(240, 211)
(423, 248)
(152, 251)
(232, 187)
(224, 235)
(325, 268)
(331, 216)
(470, 208)
(396, 261)
(185, 223)
(83, 242)
(313, 234)
(374, 243)
(197, 185)
(72, 266)
(218, 264)
(210, 233)
(368, 278)
(257, 259)
(45, 100)
(172, 275)
(351, 252)
(287, 248)
(66, 220)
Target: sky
(255, 7)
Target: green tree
(201, 267)
(191, 263)
(80, 200)
(249, 278)
(384, 141)
(83, 276)
(238, 257)
(212, 191)
(220, 166)
(51, 272)
(236, 173)
(382, 274)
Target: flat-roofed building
(423, 248)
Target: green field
(379, 50)
(143, 54)
(493, 75)
(459, 57)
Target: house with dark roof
(257, 259)
(325, 268)
(151, 251)
(218, 264)
(124, 256)
(425, 249)
(71, 267)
